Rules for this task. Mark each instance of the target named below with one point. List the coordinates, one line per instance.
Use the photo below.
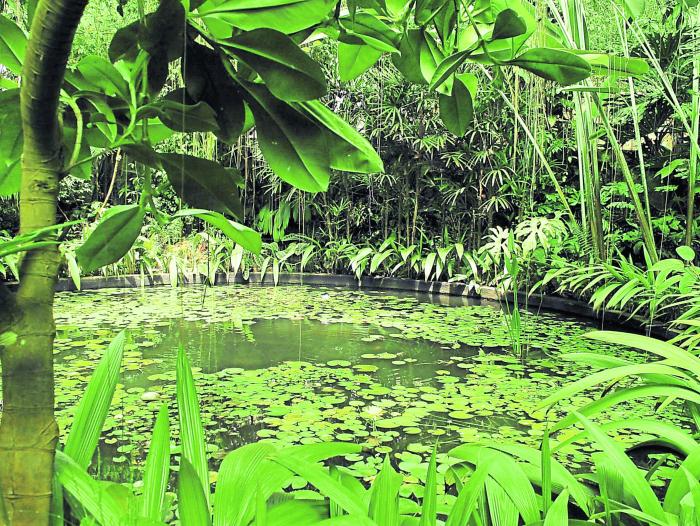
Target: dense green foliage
(535, 147)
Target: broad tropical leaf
(113, 237)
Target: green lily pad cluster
(299, 365)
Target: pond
(394, 372)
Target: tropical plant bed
(394, 372)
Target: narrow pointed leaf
(157, 470)
(92, 410)
(191, 431)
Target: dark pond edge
(536, 301)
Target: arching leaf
(286, 16)
(241, 234)
(554, 64)
(13, 44)
(113, 237)
(288, 72)
(508, 24)
(207, 80)
(349, 151)
(354, 60)
(203, 183)
(293, 145)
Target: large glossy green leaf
(182, 117)
(241, 234)
(157, 470)
(207, 80)
(293, 145)
(349, 151)
(554, 64)
(288, 72)
(507, 25)
(102, 74)
(113, 237)
(13, 44)
(286, 16)
(457, 109)
(447, 67)
(11, 142)
(84, 433)
(204, 184)
(408, 61)
(194, 453)
(354, 60)
(372, 31)
(192, 503)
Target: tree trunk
(28, 430)
(415, 205)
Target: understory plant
(483, 485)
(657, 294)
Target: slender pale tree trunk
(28, 430)
(694, 148)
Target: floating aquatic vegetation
(393, 373)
